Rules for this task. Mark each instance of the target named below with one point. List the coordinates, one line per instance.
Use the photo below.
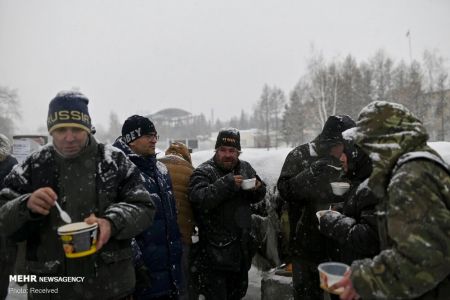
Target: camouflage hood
(386, 131)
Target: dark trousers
(305, 278)
(223, 285)
(8, 255)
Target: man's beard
(228, 164)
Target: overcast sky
(141, 56)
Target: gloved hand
(329, 166)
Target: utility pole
(408, 35)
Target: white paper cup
(340, 188)
(320, 213)
(331, 273)
(248, 184)
(78, 239)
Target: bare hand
(238, 180)
(41, 200)
(258, 184)
(104, 228)
(349, 292)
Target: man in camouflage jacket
(94, 183)
(413, 186)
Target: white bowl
(248, 184)
(331, 273)
(340, 188)
(320, 213)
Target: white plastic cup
(339, 188)
(320, 213)
(248, 184)
(331, 273)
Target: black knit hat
(69, 109)
(135, 127)
(229, 137)
(333, 128)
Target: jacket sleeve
(418, 226)
(294, 180)
(14, 213)
(356, 228)
(361, 237)
(134, 209)
(208, 195)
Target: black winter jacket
(307, 193)
(355, 229)
(223, 215)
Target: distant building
(175, 124)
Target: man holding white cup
(222, 257)
(305, 184)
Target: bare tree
(437, 86)
(381, 66)
(9, 110)
(293, 122)
(323, 86)
(269, 110)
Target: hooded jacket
(115, 192)
(158, 246)
(178, 162)
(414, 211)
(307, 193)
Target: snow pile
(443, 148)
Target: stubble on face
(227, 157)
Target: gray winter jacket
(118, 195)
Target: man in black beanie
(157, 249)
(304, 183)
(223, 255)
(92, 182)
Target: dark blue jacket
(159, 246)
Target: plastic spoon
(64, 216)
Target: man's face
(227, 157)
(337, 150)
(69, 141)
(145, 145)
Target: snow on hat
(333, 128)
(136, 126)
(5, 146)
(229, 137)
(69, 109)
